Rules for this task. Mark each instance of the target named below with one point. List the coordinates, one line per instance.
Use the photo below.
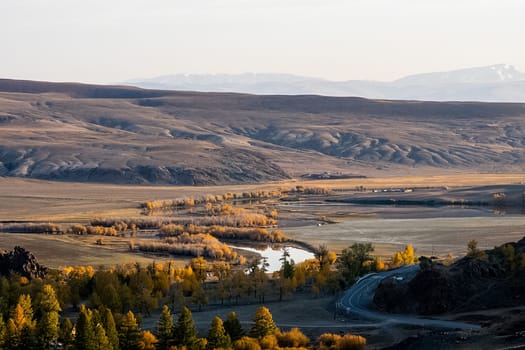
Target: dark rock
(471, 283)
(22, 262)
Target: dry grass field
(438, 236)
(57, 251)
(33, 200)
(36, 200)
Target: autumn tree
(269, 342)
(262, 324)
(246, 343)
(199, 267)
(217, 336)
(397, 259)
(406, 257)
(147, 341)
(351, 342)
(328, 341)
(294, 338)
(21, 326)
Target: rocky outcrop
(471, 283)
(22, 262)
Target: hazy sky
(115, 40)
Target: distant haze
(109, 41)
(495, 83)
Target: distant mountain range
(496, 83)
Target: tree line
(30, 309)
(38, 325)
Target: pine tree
(217, 336)
(48, 324)
(102, 341)
(263, 324)
(164, 329)
(129, 332)
(184, 330)
(233, 327)
(109, 326)
(66, 334)
(85, 331)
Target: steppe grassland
(33, 200)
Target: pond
(273, 254)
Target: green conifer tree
(48, 324)
(184, 331)
(233, 327)
(263, 324)
(164, 331)
(102, 341)
(109, 326)
(66, 334)
(217, 336)
(129, 332)
(85, 331)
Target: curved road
(359, 298)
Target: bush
(293, 338)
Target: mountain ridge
(495, 83)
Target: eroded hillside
(90, 133)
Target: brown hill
(78, 132)
(491, 279)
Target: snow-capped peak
(506, 72)
(479, 75)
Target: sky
(105, 41)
